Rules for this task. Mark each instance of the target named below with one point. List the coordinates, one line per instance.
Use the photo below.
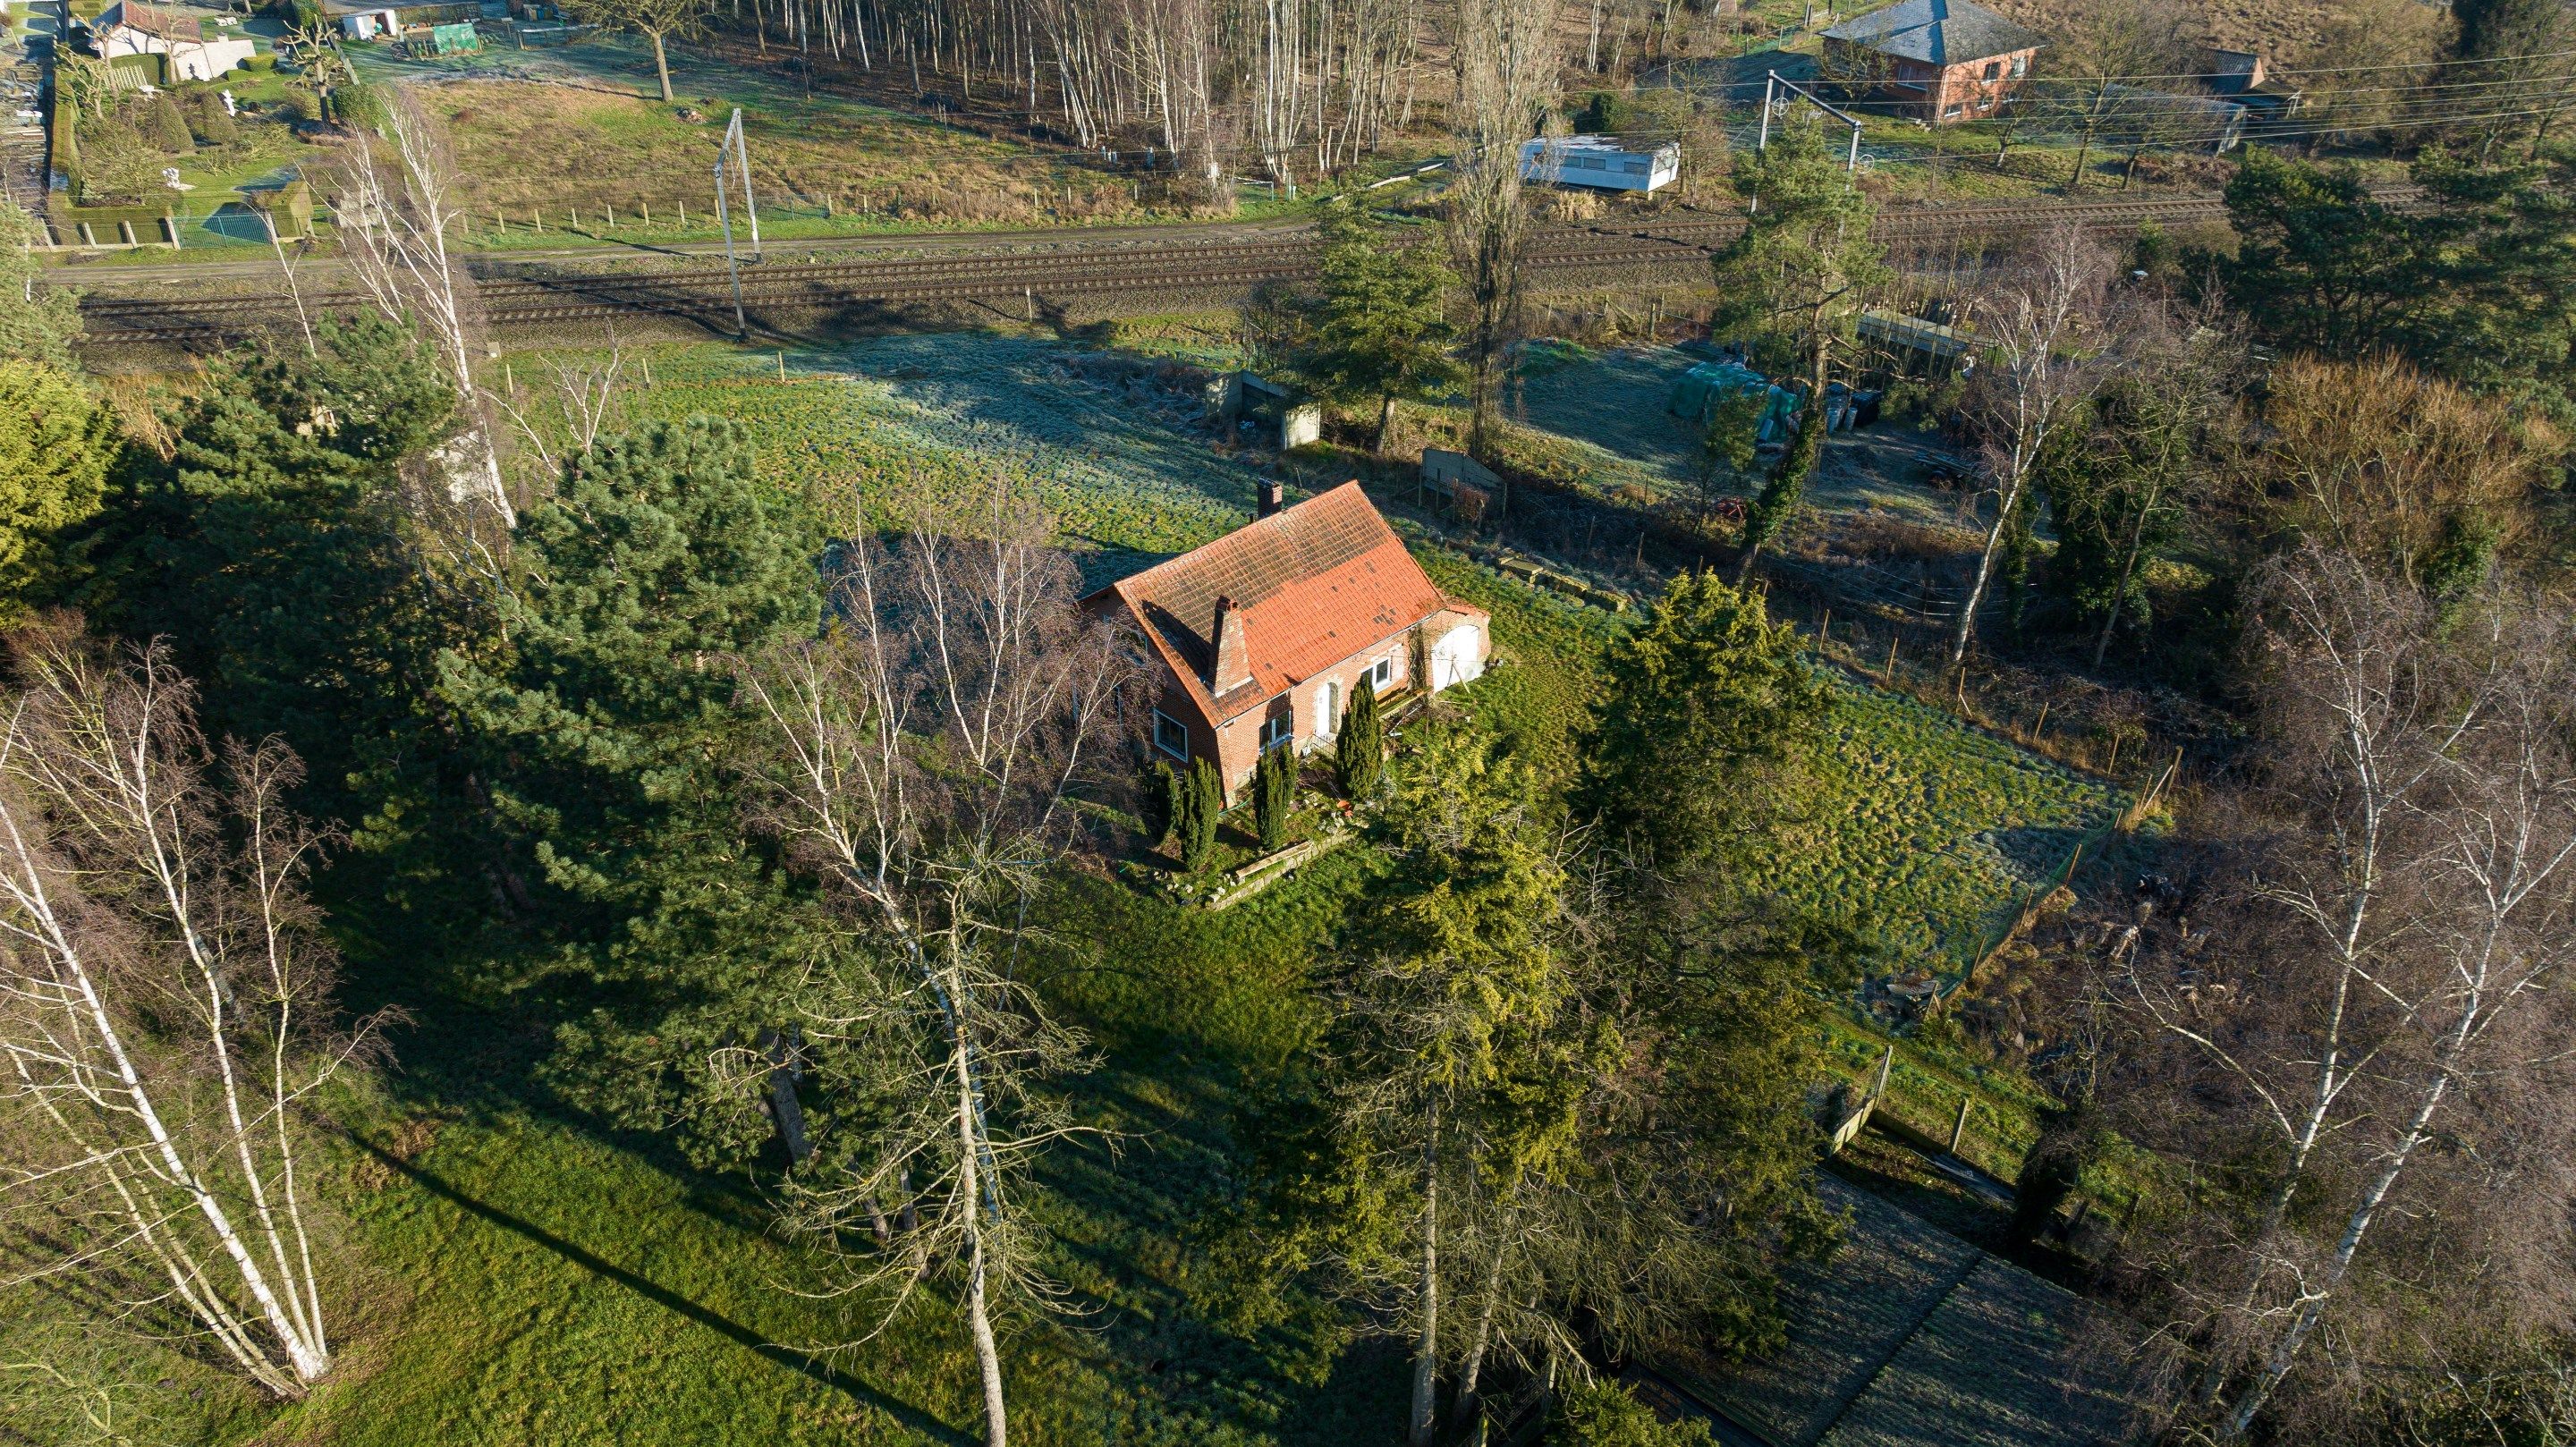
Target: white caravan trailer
(1603, 163)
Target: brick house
(1261, 635)
(1942, 60)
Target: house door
(1454, 658)
(1328, 710)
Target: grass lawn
(523, 1274)
(1597, 419)
(583, 126)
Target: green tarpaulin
(457, 39)
(1697, 392)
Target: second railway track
(702, 293)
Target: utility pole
(742, 159)
(724, 218)
(1778, 82)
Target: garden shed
(1697, 392)
(1242, 403)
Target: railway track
(702, 293)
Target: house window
(1951, 114)
(1382, 673)
(1994, 69)
(2020, 66)
(1171, 736)
(1277, 730)
(1328, 709)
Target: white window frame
(1183, 752)
(1382, 674)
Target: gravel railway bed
(702, 293)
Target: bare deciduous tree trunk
(925, 747)
(1424, 1413)
(2428, 895)
(165, 1001)
(2044, 367)
(1506, 69)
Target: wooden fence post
(1959, 1127)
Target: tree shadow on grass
(840, 1381)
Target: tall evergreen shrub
(1359, 755)
(1202, 805)
(1274, 795)
(167, 128)
(1162, 803)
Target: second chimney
(1233, 656)
(1271, 492)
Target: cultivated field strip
(877, 289)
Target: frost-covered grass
(1597, 418)
(1927, 832)
(906, 422)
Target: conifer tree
(38, 323)
(661, 555)
(213, 124)
(1381, 333)
(1797, 276)
(1274, 797)
(271, 549)
(167, 127)
(1202, 808)
(1709, 700)
(1359, 751)
(55, 445)
(1162, 803)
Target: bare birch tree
(164, 1006)
(1506, 65)
(2043, 357)
(2398, 977)
(928, 745)
(394, 230)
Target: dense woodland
(346, 692)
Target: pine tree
(55, 445)
(1796, 276)
(1381, 332)
(276, 560)
(37, 323)
(1709, 702)
(1274, 797)
(661, 555)
(1359, 752)
(1202, 808)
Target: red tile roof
(1315, 583)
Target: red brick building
(1941, 60)
(1262, 634)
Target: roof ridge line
(1974, 1258)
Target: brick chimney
(1271, 494)
(1233, 655)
